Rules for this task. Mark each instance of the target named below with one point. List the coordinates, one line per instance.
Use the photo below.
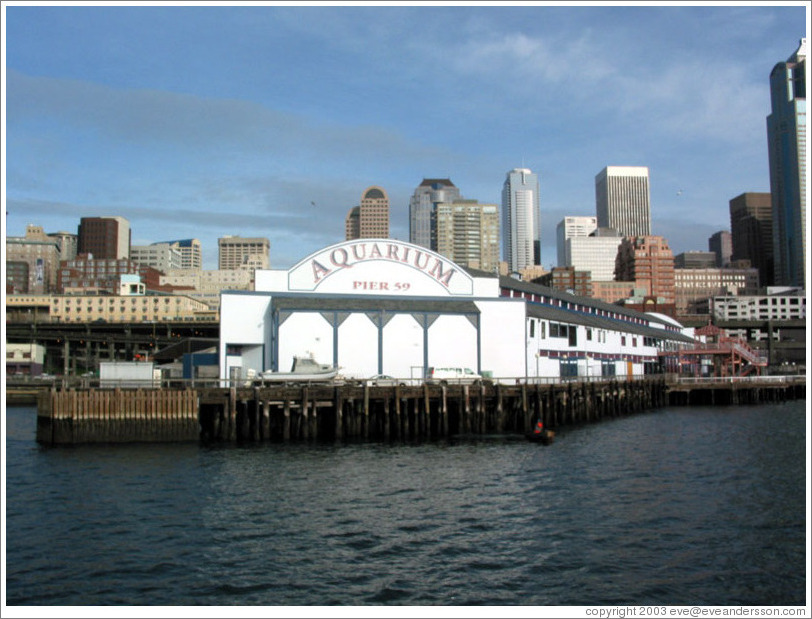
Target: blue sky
(202, 121)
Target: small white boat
(303, 369)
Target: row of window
(570, 333)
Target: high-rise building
(422, 206)
(571, 227)
(468, 233)
(721, 244)
(521, 224)
(105, 238)
(649, 263)
(235, 252)
(751, 230)
(786, 134)
(191, 253)
(623, 200)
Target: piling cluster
(360, 411)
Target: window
(622, 340)
(589, 335)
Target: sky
(201, 121)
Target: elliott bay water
(678, 506)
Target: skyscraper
(622, 200)
(369, 220)
(520, 219)
(104, 237)
(422, 206)
(751, 230)
(786, 135)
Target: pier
(362, 411)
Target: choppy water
(678, 506)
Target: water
(680, 506)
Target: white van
(451, 375)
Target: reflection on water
(679, 506)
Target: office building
(369, 220)
(235, 252)
(422, 206)
(104, 238)
(595, 253)
(786, 134)
(191, 253)
(694, 287)
(85, 275)
(567, 279)
(568, 228)
(521, 224)
(622, 200)
(751, 231)
(695, 260)
(649, 263)
(721, 244)
(468, 233)
(160, 256)
(32, 262)
(206, 285)
(67, 242)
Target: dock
(362, 411)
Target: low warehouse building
(381, 306)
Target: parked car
(382, 380)
(451, 375)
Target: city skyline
(212, 121)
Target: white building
(206, 285)
(776, 307)
(595, 254)
(161, 256)
(380, 306)
(569, 228)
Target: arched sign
(380, 267)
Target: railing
(771, 380)
(94, 382)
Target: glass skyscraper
(521, 225)
(786, 135)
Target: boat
(540, 434)
(303, 369)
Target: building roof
(356, 303)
